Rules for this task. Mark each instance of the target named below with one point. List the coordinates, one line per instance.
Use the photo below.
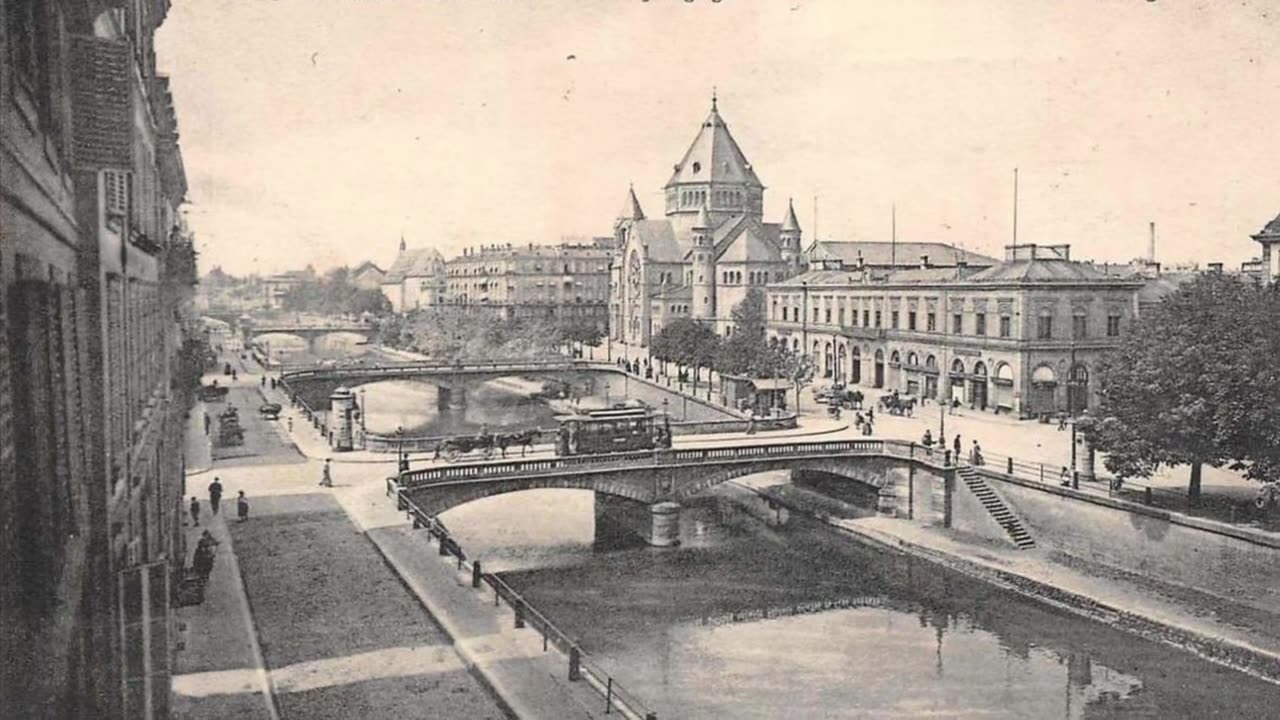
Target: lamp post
(364, 411)
(606, 394)
(1071, 411)
(400, 445)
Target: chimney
(924, 262)
(1151, 241)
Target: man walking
(195, 511)
(326, 480)
(956, 446)
(215, 494)
(242, 507)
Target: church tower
(789, 239)
(715, 175)
(704, 268)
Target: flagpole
(1015, 206)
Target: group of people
(866, 424)
(975, 452)
(215, 502)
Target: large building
(415, 280)
(1021, 336)
(545, 281)
(96, 269)
(710, 247)
(275, 288)
(1268, 267)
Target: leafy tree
(335, 294)
(1182, 388)
(746, 351)
(796, 367)
(689, 343)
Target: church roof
(418, 262)
(747, 240)
(714, 156)
(903, 254)
(659, 237)
(674, 292)
(1039, 270)
(791, 224)
(631, 209)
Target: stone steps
(996, 507)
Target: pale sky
(316, 131)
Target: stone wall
(1149, 545)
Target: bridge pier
(451, 398)
(657, 524)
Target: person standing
(215, 494)
(195, 511)
(242, 507)
(975, 454)
(326, 479)
(956, 446)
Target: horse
(524, 440)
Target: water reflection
(415, 406)
(761, 614)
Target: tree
(1181, 389)
(689, 343)
(794, 366)
(746, 351)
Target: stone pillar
(341, 409)
(451, 398)
(1084, 449)
(665, 518)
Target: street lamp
(400, 446)
(606, 394)
(364, 411)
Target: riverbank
(1120, 602)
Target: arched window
(931, 363)
(1004, 374)
(957, 367)
(1044, 375)
(895, 358)
(979, 368)
(912, 359)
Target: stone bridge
(661, 479)
(315, 386)
(309, 331)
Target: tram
(612, 431)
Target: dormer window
(697, 167)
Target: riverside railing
(580, 666)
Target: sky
(320, 131)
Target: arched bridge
(315, 385)
(309, 331)
(661, 476)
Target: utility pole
(1015, 206)
(893, 238)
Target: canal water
(761, 613)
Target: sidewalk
(532, 681)
(218, 669)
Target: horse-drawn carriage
(486, 444)
(270, 411)
(213, 393)
(839, 396)
(229, 431)
(896, 404)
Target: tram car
(615, 430)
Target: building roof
(714, 156)
(1041, 270)
(631, 208)
(749, 240)
(367, 265)
(1162, 286)
(1270, 229)
(418, 262)
(888, 254)
(659, 237)
(790, 223)
(674, 292)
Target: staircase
(996, 507)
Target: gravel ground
(340, 634)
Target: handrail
(470, 472)
(617, 698)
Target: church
(710, 247)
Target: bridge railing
(541, 466)
(581, 667)
(394, 369)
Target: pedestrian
(927, 440)
(206, 419)
(975, 455)
(956, 446)
(195, 511)
(262, 381)
(242, 507)
(290, 423)
(1062, 421)
(326, 479)
(233, 375)
(1065, 478)
(215, 494)
(751, 424)
(871, 415)
(202, 562)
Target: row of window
(719, 198)
(566, 268)
(754, 277)
(1044, 322)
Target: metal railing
(581, 667)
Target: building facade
(96, 269)
(709, 248)
(570, 279)
(415, 280)
(1021, 336)
(276, 287)
(368, 276)
(1267, 268)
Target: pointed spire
(713, 98)
(631, 209)
(402, 245)
(791, 224)
(704, 219)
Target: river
(761, 613)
